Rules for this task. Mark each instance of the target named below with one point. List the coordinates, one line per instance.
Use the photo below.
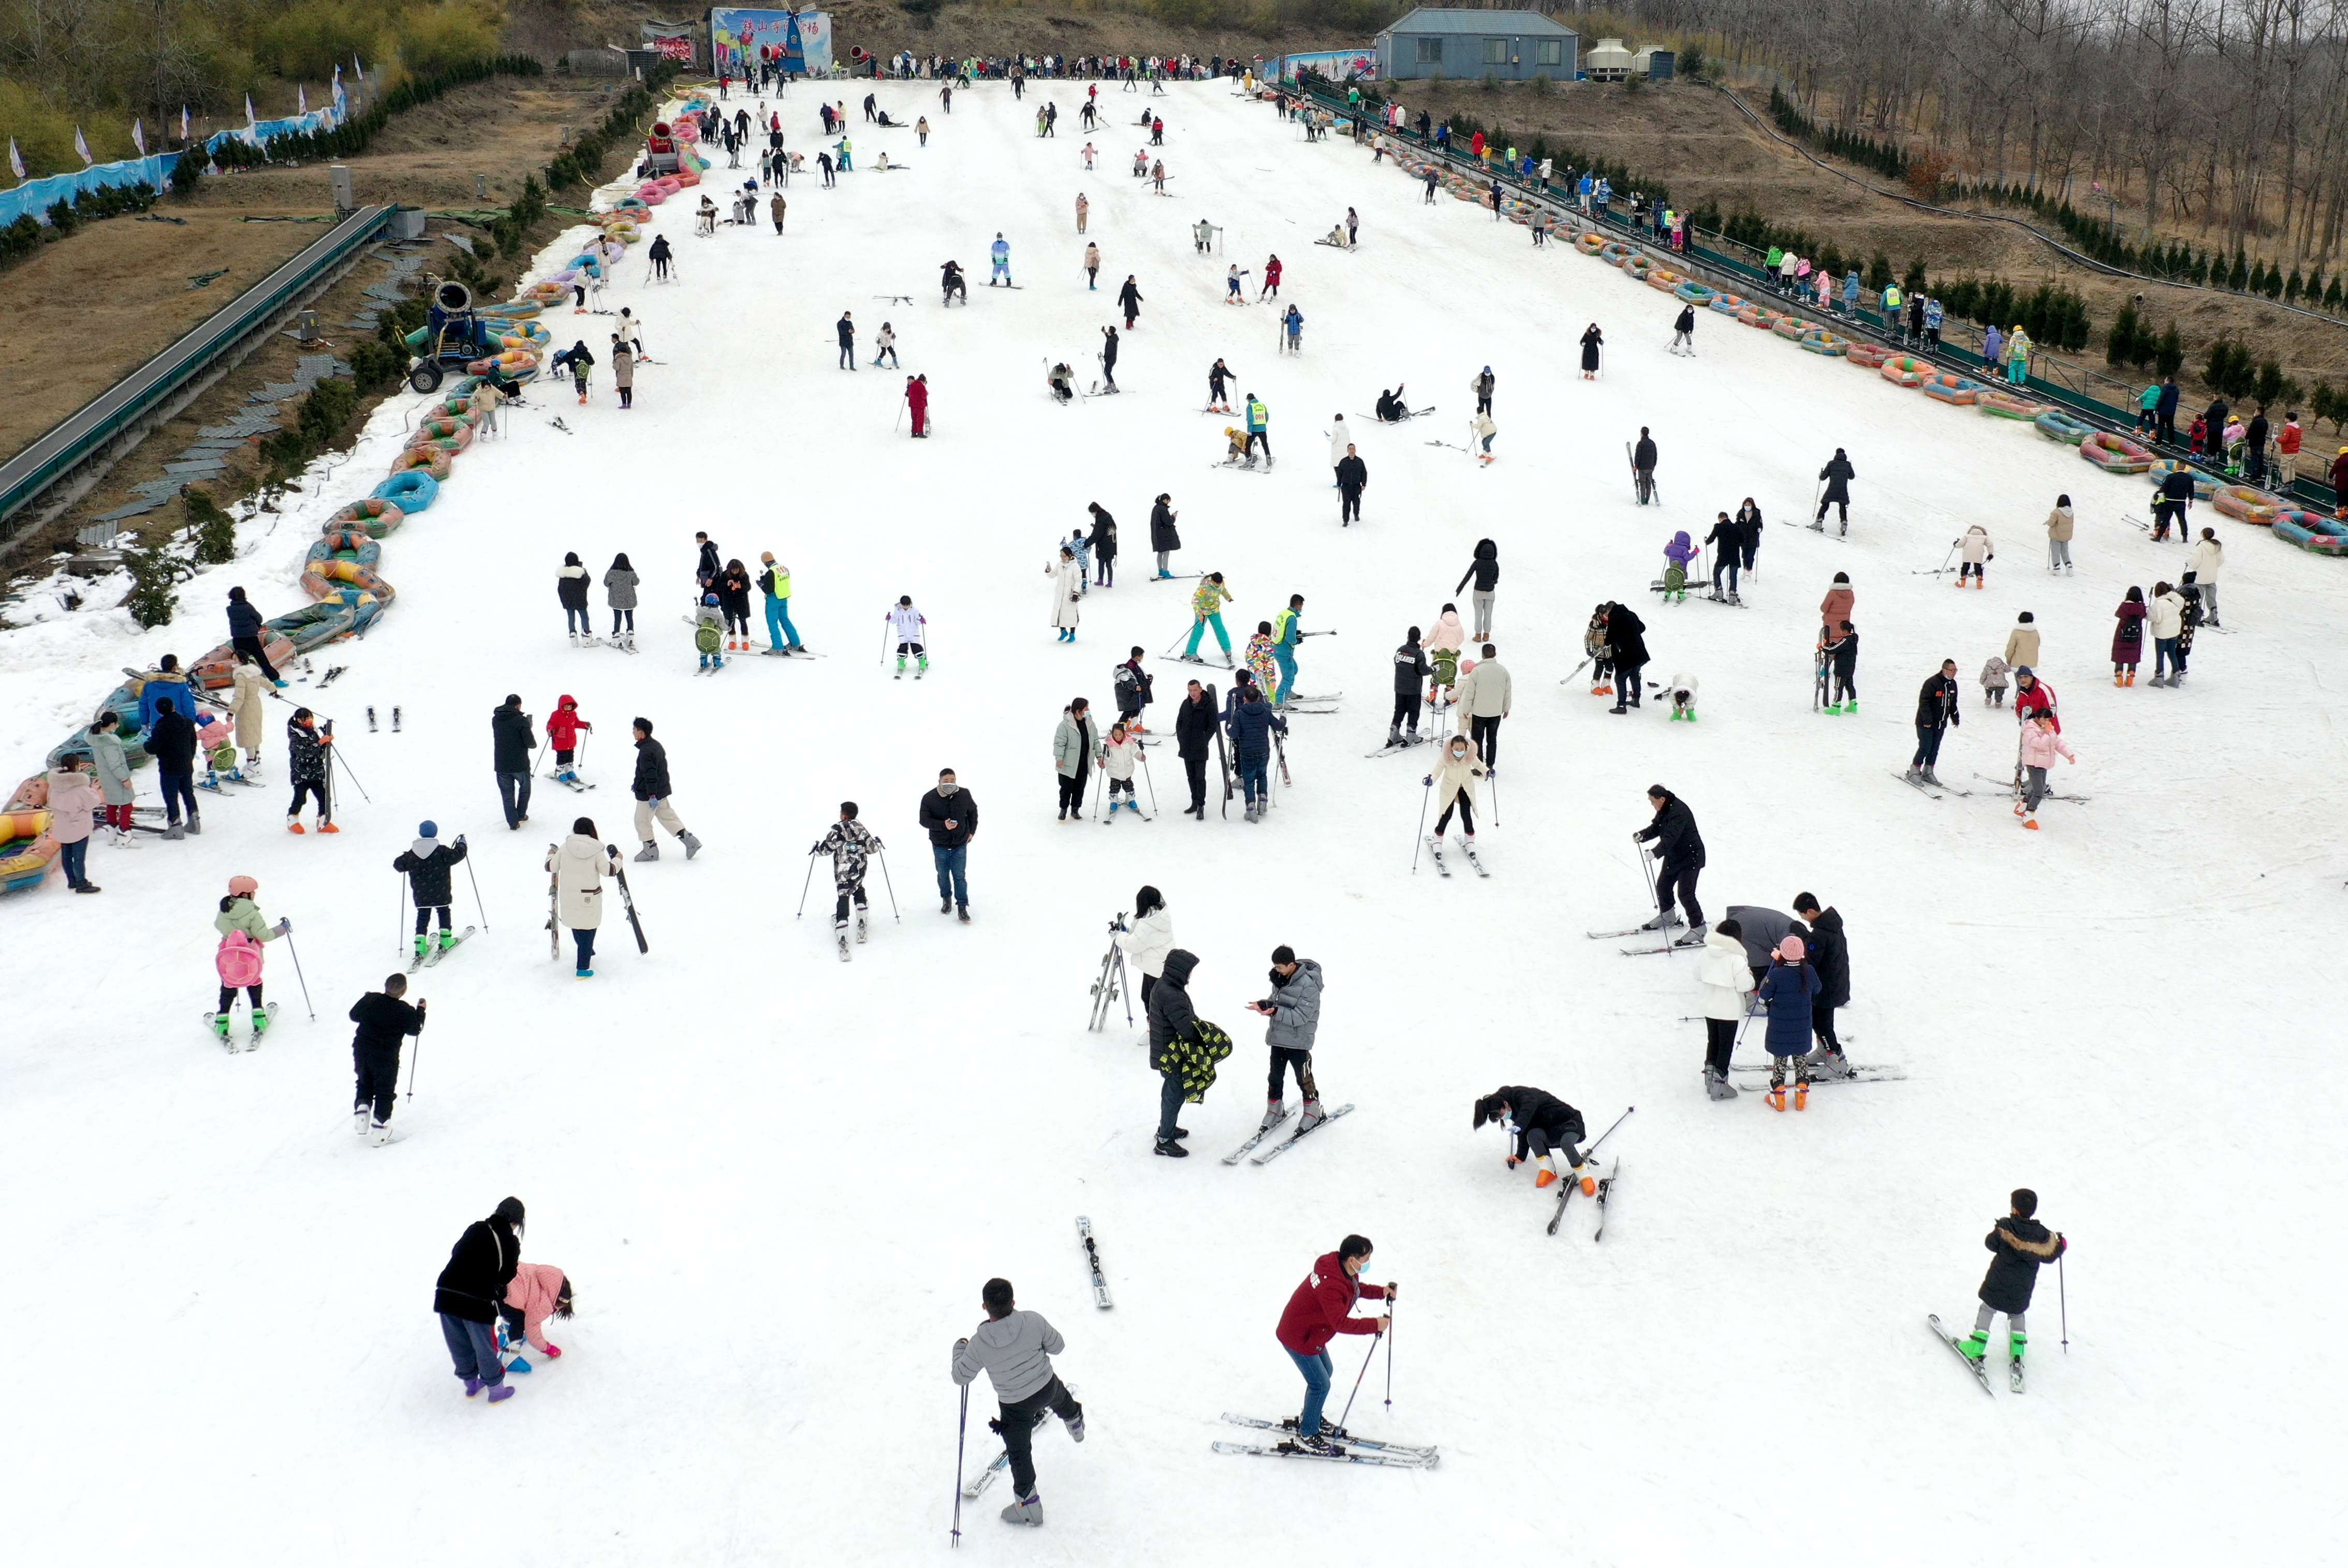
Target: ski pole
(399, 920)
(1419, 837)
(1150, 782)
(298, 976)
(476, 887)
(2063, 1294)
(1358, 1376)
(804, 882)
(352, 777)
(1390, 1313)
(541, 755)
(415, 1065)
(885, 882)
(961, 1431)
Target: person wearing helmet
(1788, 992)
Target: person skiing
(1120, 749)
(1253, 724)
(1626, 641)
(1680, 847)
(910, 629)
(1831, 957)
(1000, 252)
(1543, 1125)
(1748, 523)
(1727, 540)
(1725, 979)
(1840, 652)
(1319, 1310)
(1838, 474)
(1683, 331)
(1974, 549)
(1108, 358)
(1218, 395)
(427, 864)
(2019, 1247)
(1014, 1348)
(1091, 263)
(1391, 409)
(1287, 632)
(851, 846)
(580, 362)
(2042, 742)
(578, 865)
(1293, 324)
(650, 788)
(1456, 773)
(1937, 708)
(1206, 602)
(1789, 991)
(243, 934)
(384, 1020)
(1294, 1010)
(480, 1266)
(951, 282)
(1482, 431)
(1642, 468)
(307, 759)
(659, 255)
(1270, 289)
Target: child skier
(1443, 646)
(1787, 992)
(1236, 454)
(1261, 659)
(1993, 682)
(238, 959)
(562, 728)
(1841, 651)
(427, 863)
(2020, 1246)
(1132, 684)
(1601, 666)
(709, 634)
(912, 630)
(580, 363)
(1676, 556)
(384, 1020)
(1975, 549)
(539, 1291)
(851, 846)
(1117, 755)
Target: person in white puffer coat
(1152, 938)
(1724, 983)
(1118, 751)
(2201, 565)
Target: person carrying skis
(1680, 847)
(1253, 723)
(427, 864)
(2019, 1247)
(1936, 710)
(244, 933)
(851, 847)
(650, 788)
(1725, 981)
(384, 1020)
(1014, 1348)
(911, 629)
(1294, 1008)
(579, 864)
(1838, 474)
(1789, 992)
(1319, 1310)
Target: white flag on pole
(82, 147)
(16, 159)
(300, 99)
(138, 135)
(248, 121)
(183, 124)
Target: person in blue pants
(775, 582)
(1253, 723)
(1287, 632)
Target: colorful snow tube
(330, 580)
(651, 193)
(27, 853)
(2248, 506)
(1758, 315)
(2005, 405)
(2118, 455)
(624, 230)
(513, 364)
(2313, 532)
(1790, 328)
(1639, 265)
(1697, 294)
(440, 425)
(1729, 304)
(511, 311)
(2204, 486)
(1663, 277)
(412, 491)
(1818, 339)
(2058, 427)
(431, 460)
(347, 544)
(1866, 355)
(1589, 243)
(1944, 387)
(1905, 370)
(670, 184)
(545, 291)
(1615, 253)
(217, 669)
(378, 517)
(315, 625)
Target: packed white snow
(777, 1182)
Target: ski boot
(422, 943)
(220, 1026)
(1313, 1116)
(692, 846)
(1548, 1178)
(1274, 1113)
(1663, 921)
(650, 851)
(1975, 1346)
(259, 1025)
(1830, 1066)
(448, 938)
(359, 1120)
(862, 931)
(1717, 1086)
(1025, 1510)
(1776, 1092)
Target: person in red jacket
(2032, 695)
(2339, 483)
(1270, 289)
(563, 729)
(1321, 1310)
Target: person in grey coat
(1170, 1013)
(1014, 1349)
(113, 771)
(1762, 930)
(1295, 1009)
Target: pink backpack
(238, 960)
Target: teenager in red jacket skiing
(1321, 1308)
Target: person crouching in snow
(1786, 991)
(539, 1291)
(1543, 1124)
(1117, 755)
(1683, 698)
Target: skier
(2042, 742)
(1232, 290)
(706, 621)
(1202, 235)
(620, 594)
(1253, 724)
(775, 582)
(1108, 357)
(659, 256)
(734, 600)
(1725, 980)
(2020, 1246)
(650, 788)
(917, 398)
(571, 591)
(579, 864)
(580, 363)
(1831, 956)
(1482, 431)
(1067, 589)
(1789, 992)
(1642, 468)
(951, 282)
(1294, 1008)
(480, 1266)
(1443, 645)
(1084, 211)
(1133, 692)
(1073, 745)
(911, 629)
(1391, 409)
(1626, 644)
(1293, 324)
(1411, 671)
(1353, 479)
(1319, 1310)
(1592, 341)
(1748, 522)
(1206, 602)
(1838, 474)
(307, 758)
(885, 347)
(1680, 847)
(1840, 652)
(1485, 698)
(1119, 750)
(384, 1020)
(1270, 289)
(1727, 540)
(851, 846)
(1683, 331)
(1218, 396)
(1163, 538)
(1001, 253)
(1062, 382)
(1259, 433)
(243, 934)
(1457, 771)
(1677, 554)
(1128, 301)
(1936, 710)
(1973, 550)
(1287, 633)
(428, 864)
(1543, 1126)
(1013, 1348)
(1481, 385)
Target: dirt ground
(1695, 142)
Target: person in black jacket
(1194, 727)
(511, 741)
(1102, 537)
(1681, 849)
(171, 742)
(1838, 474)
(651, 790)
(1411, 671)
(1543, 1124)
(384, 1021)
(2172, 502)
(846, 328)
(1748, 519)
(1162, 535)
(311, 765)
(1485, 569)
(1626, 639)
(1109, 355)
(468, 1294)
(704, 567)
(1171, 1014)
(1728, 541)
(1353, 479)
(2022, 1247)
(1936, 710)
(950, 814)
(1830, 955)
(427, 863)
(245, 631)
(1642, 468)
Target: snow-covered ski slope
(779, 1181)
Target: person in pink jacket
(2039, 746)
(73, 801)
(540, 1290)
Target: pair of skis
(1980, 1372)
(1687, 943)
(370, 716)
(227, 1041)
(1344, 1447)
(1284, 1145)
(1434, 848)
(1573, 1186)
(434, 952)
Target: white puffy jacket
(1151, 939)
(1723, 978)
(2204, 559)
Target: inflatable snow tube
(2005, 405)
(513, 364)
(1867, 355)
(431, 460)
(330, 580)
(1663, 277)
(568, 276)
(447, 445)
(1943, 387)
(1589, 243)
(511, 311)
(342, 545)
(1615, 253)
(1639, 265)
(670, 184)
(378, 517)
(2058, 427)
(217, 669)
(546, 292)
(27, 853)
(1729, 304)
(2245, 505)
(1758, 315)
(1697, 294)
(1818, 339)
(412, 491)
(2118, 455)
(1791, 328)
(2204, 488)
(433, 429)
(1905, 370)
(650, 194)
(2313, 531)
(315, 625)
(624, 231)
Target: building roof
(1455, 20)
